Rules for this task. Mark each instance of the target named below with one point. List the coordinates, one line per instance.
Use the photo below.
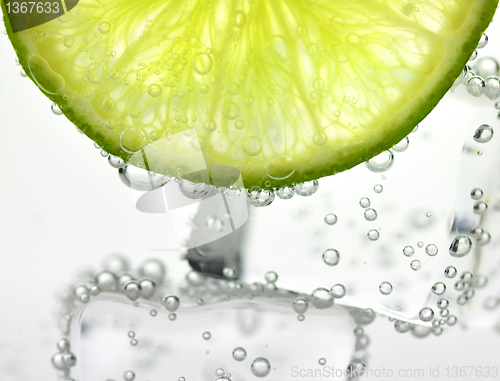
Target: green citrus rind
(343, 148)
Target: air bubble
(426, 314)
(252, 146)
(94, 73)
(194, 191)
(129, 375)
(68, 41)
(480, 207)
(415, 265)
(55, 109)
(451, 320)
(408, 251)
(378, 188)
(477, 232)
(104, 27)
(285, 193)
(402, 326)
(300, 305)
(133, 290)
(492, 87)
(439, 288)
(321, 361)
(320, 138)
(385, 288)
(209, 125)
(133, 139)
(431, 250)
(381, 163)
(154, 90)
(492, 303)
(307, 188)
(271, 277)
(139, 179)
(364, 202)
(261, 197)
(228, 272)
(460, 246)
(109, 104)
(260, 367)
(239, 19)
(370, 214)
(476, 194)
(483, 41)
(402, 145)
(206, 335)
(483, 134)
(373, 235)
(331, 257)
(231, 110)
(321, 298)
(331, 219)
(475, 86)
(202, 63)
(239, 354)
(280, 167)
(171, 303)
(338, 291)
(450, 272)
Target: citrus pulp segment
(284, 91)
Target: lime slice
(284, 91)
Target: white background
(63, 207)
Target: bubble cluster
(63, 359)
